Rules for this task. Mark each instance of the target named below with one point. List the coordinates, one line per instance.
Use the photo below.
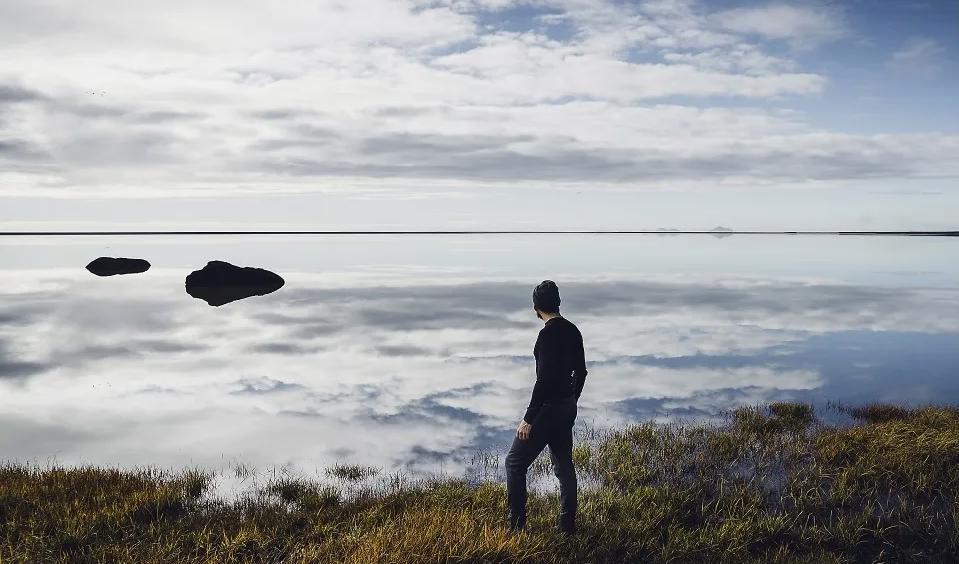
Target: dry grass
(769, 484)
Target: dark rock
(220, 283)
(109, 266)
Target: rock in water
(108, 266)
(720, 232)
(220, 282)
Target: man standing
(560, 375)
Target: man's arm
(579, 370)
(545, 358)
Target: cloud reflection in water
(395, 374)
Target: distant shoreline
(504, 232)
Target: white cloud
(227, 98)
(743, 58)
(218, 27)
(804, 24)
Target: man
(560, 375)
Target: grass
(768, 483)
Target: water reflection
(385, 366)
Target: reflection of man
(560, 374)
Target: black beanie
(546, 297)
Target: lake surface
(415, 351)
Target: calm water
(416, 351)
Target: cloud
(431, 91)
(225, 25)
(401, 350)
(585, 142)
(164, 116)
(529, 68)
(264, 385)
(284, 348)
(802, 25)
(299, 137)
(14, 94)
(17, 369)
(849, 366)
(742, 58)
(812, 156)
(21, 150)
(14, 368)
(921, 56)
(408, 99)
(42, 440)
(95, 351)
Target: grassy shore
(768, 484)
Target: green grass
(766, 484)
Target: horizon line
(920, 233)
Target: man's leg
(561, 453)
(521, 455)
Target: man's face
(538, 314)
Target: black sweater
(560, 365)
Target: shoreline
(767, 483)
(505, 232)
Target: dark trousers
(553, 428)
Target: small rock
(109, 266)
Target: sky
(478, 114)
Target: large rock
(109, 266)
(220, 282)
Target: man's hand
(522, 432)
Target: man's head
(546, 299)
